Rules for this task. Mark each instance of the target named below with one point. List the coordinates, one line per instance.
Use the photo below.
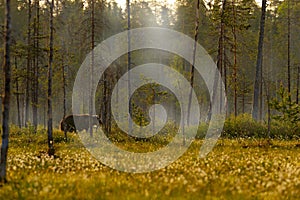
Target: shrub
(243, 126)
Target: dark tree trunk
(289, 51)
(235, 58)
(298, 84)
(18, 95)
(36, 68)
(92, 70)
(259, 61)
(6, 97)
(220, 63)
(28, 70)
(269, 109)
(51, 150)
(129, 61)
(64, 99)
(221, 52)
(105, 106)
(194, 57)
(243, 95)
(261, 95)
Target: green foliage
(243, 126)
(289, 110)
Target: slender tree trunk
(259, 61)
(64, 100)
(104, 107)
(289, 50)
(92, 70)
(298, 84)
(6, 97)
(34, 95)
(153, 115)
(108, 110)
(18, 95)
(36, 68)
(129, 62)
(234, 58)
(51, 150)
(269, 109)
(194, 57)
(243, 103)
(28, 73)
(117, 91)
(45, 116)
(221, 52)
(261, 96)
(220, 63)
(243, 95)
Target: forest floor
(235, 169)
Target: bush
(284, 130)
(243, 126)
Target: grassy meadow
(235, 169)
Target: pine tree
(51, 150)
(6, 97)
(258, 71)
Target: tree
(194, 57)
(234, 57)
(51, 150)
(289, 48)
(6, 97)
(221, 50)
(28, 70)
(258, 71)
(289, 110)
(17, 94)
(35, 79)
(92, 68)
(64, 99)
(129, 61)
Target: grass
(235, 169)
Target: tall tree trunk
(234, 58)
(51, 150)
(18, 95)
(129, 63)
(194, 57)
(6, 97)
(109, 106)
(28, 70)
(289, 49)
(92, 70)
(64, 100)
(221, 52)
(36, 67)
(104, 103)
(268, 108)
(259, 61)
(261, 95)
(220, 63)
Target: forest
(219, 76)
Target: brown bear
(82, 122)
